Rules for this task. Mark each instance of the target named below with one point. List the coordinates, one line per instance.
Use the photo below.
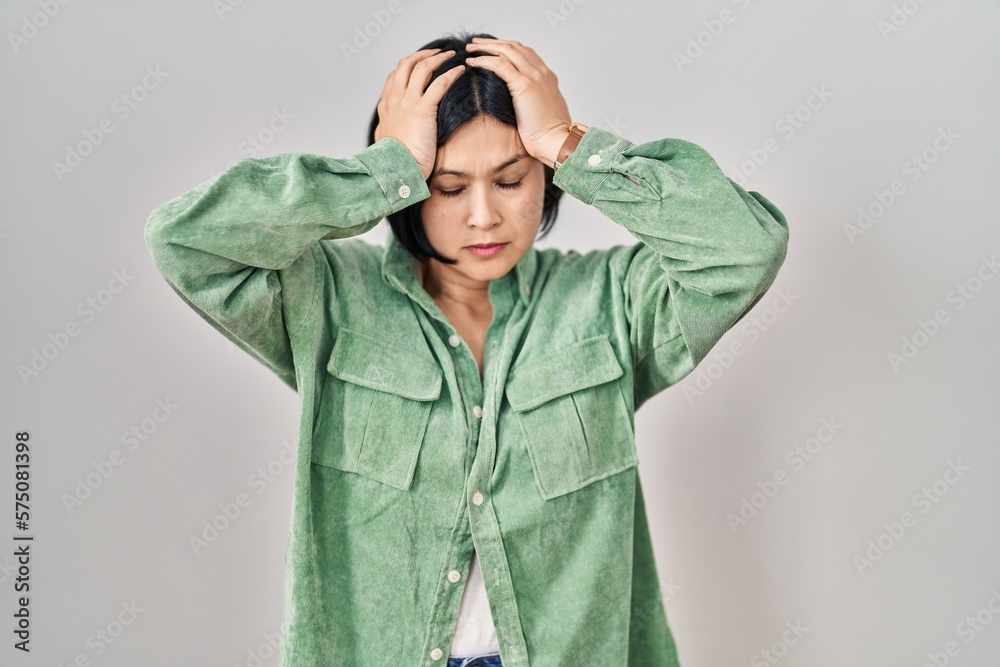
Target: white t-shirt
(474, 631)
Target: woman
(467, 484)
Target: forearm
(708, 249)
(266, 212)
(672, 196)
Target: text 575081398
(22, 540)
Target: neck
(453, 291)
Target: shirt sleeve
(238, 249)
(708, 249)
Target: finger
(499, 65)
(523, 58)
(441, 84)
(424, 70)
(400, 76)
(396, 86)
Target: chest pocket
(573, 415)
(374, 408)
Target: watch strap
(576, 132)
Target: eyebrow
(500, 167)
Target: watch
(576, 132)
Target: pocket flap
(577, 366)
(376, 364)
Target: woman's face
(479, 205)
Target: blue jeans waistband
(491, 660)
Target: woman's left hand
(543, 118)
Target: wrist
(548, 148)
(570, 140)
(553, 145)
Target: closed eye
(505, 186)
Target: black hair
(477, 92)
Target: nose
(483, 212)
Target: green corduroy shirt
(407, 458)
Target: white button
(454, 340)
(436, 654)
(477, 498)
(454, 576)
(594, 159)
(478, 411)
(404, 191)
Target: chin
(487, 270)
(489, 273)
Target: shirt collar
(399, 270)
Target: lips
(486, 250)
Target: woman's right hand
(409, 114)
